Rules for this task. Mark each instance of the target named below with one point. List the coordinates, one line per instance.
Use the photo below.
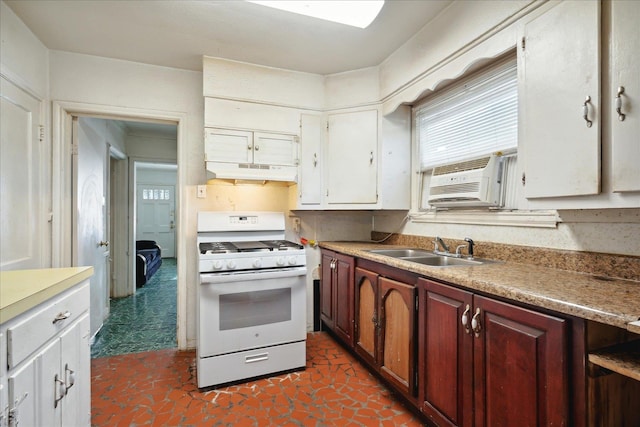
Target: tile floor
(144, 321)
(139, 378)
(159, 388)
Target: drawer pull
(62, 316)
(257, 358)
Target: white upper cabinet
(560, 114)
(352, 156)
(355, 159)
(312, 128)
(234, 146)
(225, 145)
(624, 93)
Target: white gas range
(251, 297)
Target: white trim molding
(536, 219)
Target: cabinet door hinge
(41, 132)
(74, 149)
(524, 42)
(524, 179)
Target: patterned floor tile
(143, 321)
(159, 388)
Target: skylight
(358, 13)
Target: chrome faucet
(438, 242)
(469, 246)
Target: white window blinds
(476, 117)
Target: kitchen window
(469, 119)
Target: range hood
(252, 172)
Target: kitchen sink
(424, 257)
(402, 253)
(443, 261)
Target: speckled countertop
(613, 302)
(21, 290)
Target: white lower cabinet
(50, 386)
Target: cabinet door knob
(465, 319)
(585, 111)
(621, 115)
(475, 323)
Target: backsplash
(598, 264)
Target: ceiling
(177, 33)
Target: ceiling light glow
(359, 13)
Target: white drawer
(39, 325)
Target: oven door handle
(241, 276)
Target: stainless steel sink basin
(402, 253)
(424, 257)
(443, 261)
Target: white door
(155, 216)
(24, 196)
(91, 246)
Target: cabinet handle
(465, 319)
(70, 377)
(475, 323)
(371, 158)
(249, 147)
(621, 115)
(14, 413)
(585, 111)
(256, 148)
(60, 389)
(61, 316)
(103, 243)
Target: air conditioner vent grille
(455, 189)
(462, 166)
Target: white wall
(140, 90)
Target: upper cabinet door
(275, 149)
(352, 152)
(224, 145)
(625, 94)
(560, 116)
(310, 173)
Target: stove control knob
(231, 264)
(280, 261)
(217, 265)
(257, 263)
(292, 260)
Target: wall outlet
(296, 225)
(202, 192)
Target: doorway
(63, 219)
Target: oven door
(247, 310)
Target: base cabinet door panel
(446, 354)
(366, 336)
(336, 295)
(397, 320)
(520, 366)
(487, 363)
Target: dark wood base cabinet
(336, 295)
(385, 327)
(459, 358)
(486, 363)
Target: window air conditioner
(467, 184)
